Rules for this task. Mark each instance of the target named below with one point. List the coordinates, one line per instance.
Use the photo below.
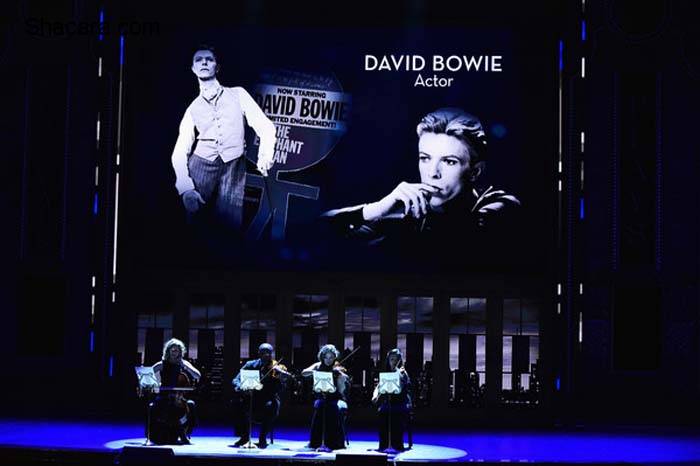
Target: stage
(82, 442)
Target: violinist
(173, 416)
(335, 403)
(266, 402)
(394, 408)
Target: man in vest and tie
(209, 155)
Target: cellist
(173, 417)
(266, 402)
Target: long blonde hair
(169, 344)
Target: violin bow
(271, 369)
(351, 353)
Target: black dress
(334, 417)
(394, 409)
(171, 421)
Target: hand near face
(406, 199)
(446, 162)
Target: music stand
(250, 382)
(389, 384)
(323, 384)
(147, 381)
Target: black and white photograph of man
(447, 203)
(209, 155)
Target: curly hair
(328, 348)
(169, 344)
(457, 123)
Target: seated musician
(266, 402)
(394, 408)
(173, 416)
(335, 403)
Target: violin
(339, 368)
(275, 369)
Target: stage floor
(295, 449)
(637, 446)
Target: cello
(172, 417)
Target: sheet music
(250, 379)
(147, 378)
(389, 383)
(323, 382)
